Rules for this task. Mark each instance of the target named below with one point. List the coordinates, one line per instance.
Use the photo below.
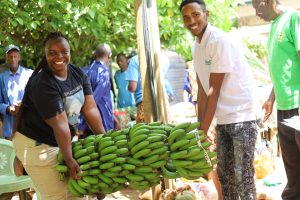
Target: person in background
(125, 98)
(133, 76)
(12, 86)
(284, 67)
(225, 91)
(98, 73)
(54, 96)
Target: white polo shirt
(219, 52)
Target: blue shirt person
(12, 86)
(99, 75)
(134, 77)
(125, 98)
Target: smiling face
(58, 54)
(194, 18)
(265, 9)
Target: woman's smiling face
(58, 54)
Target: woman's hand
(73, 168)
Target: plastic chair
(8, 181)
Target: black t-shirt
(48, 97)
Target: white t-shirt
(219, 52)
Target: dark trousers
(290, 146)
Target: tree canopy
(90, 22)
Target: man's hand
(73, 168)
(268, 107)
(13, 110)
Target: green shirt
(284, 64)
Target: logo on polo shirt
(280, 37)
(207, 62)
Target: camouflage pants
(235, 148)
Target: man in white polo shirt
(225, 91)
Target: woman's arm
(62, 134)
(92, 115)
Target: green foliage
(255, 46)
(90, 22)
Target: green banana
(106, 165)
(119, 180)
(72, 189)
(94, 155)
(158, 164)
(105, 179)
(155, 123)
(192, 126)
(80, 153)
(108, 150)
(179, 144)
(60, 157)
(61, 168)
(183, 125)
(141, 153)
(115, 169)
(151, 159)
(139, 146)
(136, 140)
(108, 157)
(134, 161)
(127, 166)
(83, 159)
(120, 137)
(156, 138)
(83, 184)
(119, 160)
(110, 174)
(121, 143)
(122, 151)
(182, 163)
(116, 133)
(79, 189)
(178, 154)
(160, 150)
(177, 134)
(105, 144)
(94, 172)
(134, 177)
(155, 145)
(140, 132)
(143, 169)
(168, 174)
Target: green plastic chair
(8, 181)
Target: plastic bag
(264, 163)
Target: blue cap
(11, 47)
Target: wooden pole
(154, 40)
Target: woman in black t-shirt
(54, 97)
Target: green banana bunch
(137, 157)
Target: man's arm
(132, 85)
(268, 105)
(299, 55)
(215, 84)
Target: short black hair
(184, 2)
